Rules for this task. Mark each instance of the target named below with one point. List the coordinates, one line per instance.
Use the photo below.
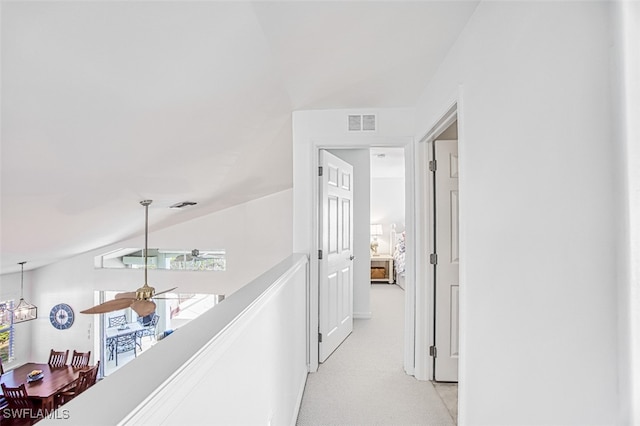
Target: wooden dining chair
(86, 379)
(17, 398)
(93, 377)
(58, 359)
(18, 402)
(3, 401)
(80, 359)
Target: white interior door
(336, 264)
(447, 272)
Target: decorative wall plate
(61, 316)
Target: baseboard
(296, 410)
(362, 315)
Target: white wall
(328, 129)
(538, 239)
(256, 235)
(387, 207)
(626, 68)
(359, 159)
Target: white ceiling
(108, 103)
(387, 163)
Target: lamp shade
(376, 229)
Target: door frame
(309, 136)
(410, 295)
(436, 211)
(425, 272)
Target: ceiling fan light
(139, 300)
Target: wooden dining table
(54, 381)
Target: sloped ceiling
(108, 103)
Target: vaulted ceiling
(108, 103)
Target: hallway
(363, 382)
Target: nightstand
(382, 268)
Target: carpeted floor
(363, 382)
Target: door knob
(352, 257)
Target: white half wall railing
(242, 362)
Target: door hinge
(320, 254)
(433, 259)
(433, 165)
(433, 351)
(319, 170)
(320, 337)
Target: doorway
(318, 130)
(445, 257)
(443, 236)
(379, 196)
(387, 216)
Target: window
(172, 313)
(212, 260)
(6, 331)
(166, 259)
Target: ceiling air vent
(362, 123)
(355, 123)
(369, 122)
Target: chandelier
(24, 311)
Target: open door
(446, 349)
(336, 260)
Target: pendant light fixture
(24, 311)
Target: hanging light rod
(146, 203)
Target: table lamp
(376, 230)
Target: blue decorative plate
(35, 378)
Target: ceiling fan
(195, 255)
(139, 300)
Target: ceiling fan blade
(165, 291)
(127, 295)
(143, 307)
(110, 306)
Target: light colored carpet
(449, 394)
(364, 383)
